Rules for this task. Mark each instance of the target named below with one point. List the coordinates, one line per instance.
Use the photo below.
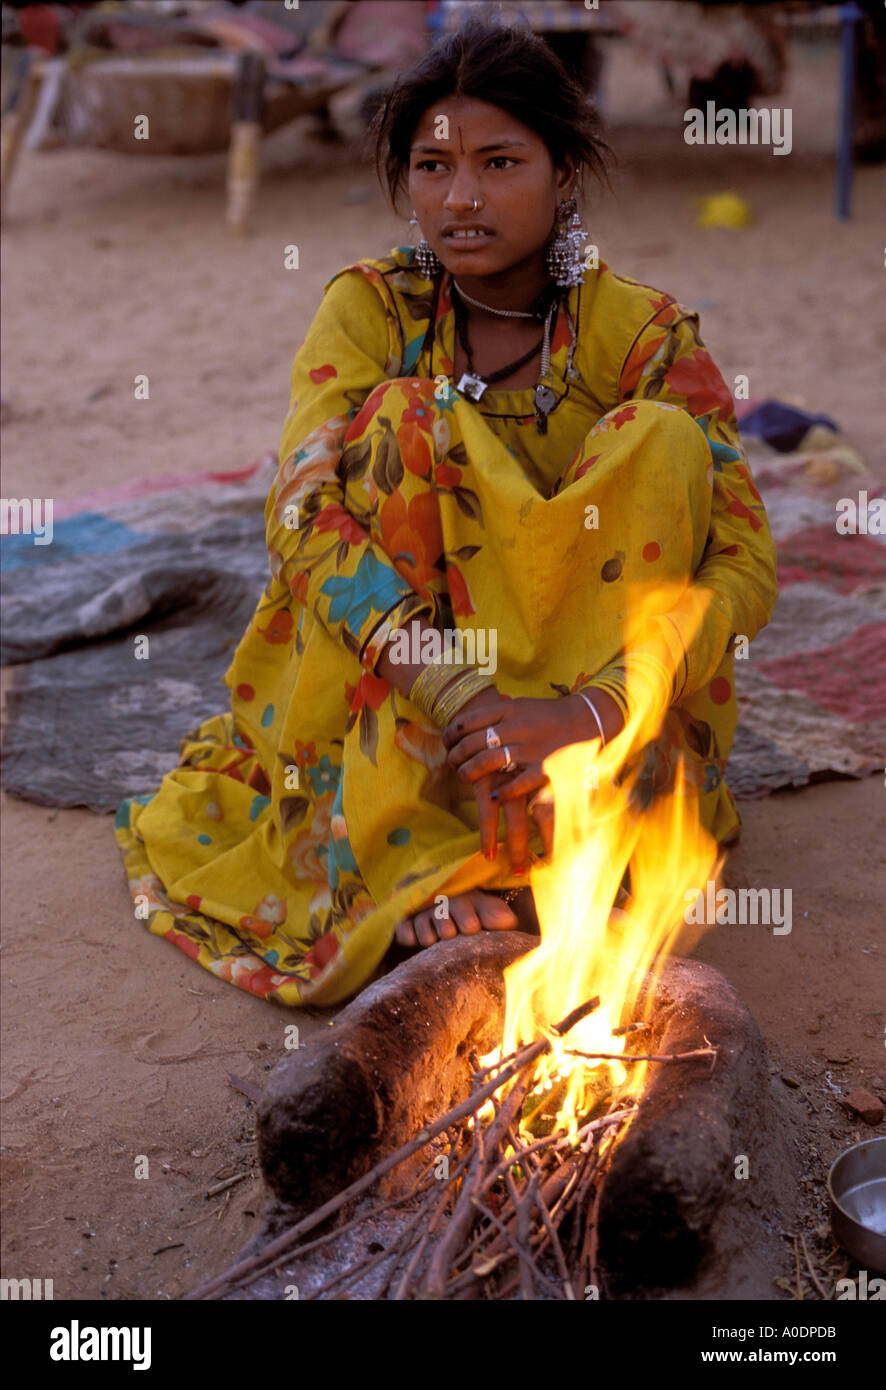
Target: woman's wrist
(403, 674)
(608, 714)
(439, 687)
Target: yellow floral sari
(303, 824)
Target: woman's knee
(660, 419)
(646, 444)
(668, 439)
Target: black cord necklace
(473, 384)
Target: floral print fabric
(304, 823)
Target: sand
(117, 1048)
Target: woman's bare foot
(467, 913)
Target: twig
(569, 1194)
(472, 1276)
(207, 1216)
(815, 1278)
(560, 1189)
(400, 1291)
(246, 1088)
(245, 1271)
(463, 1215)
(522, 1255)
(645, 1056)
(557, 1247)
(592, 1241)
(494, 1249)
(587, 1175)
(415, 1191)
(220, 1186)
(797, 1258)
(605, 1121)
(371, 1260)
(592, 1235)
(522, 1153)
(523, 1207)
(560, 1029)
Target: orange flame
(588, 947)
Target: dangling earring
(425, 258)
(564, 254)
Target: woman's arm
(320, 548)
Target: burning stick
(646, 1056)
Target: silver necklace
(503, 313)
(544, 399)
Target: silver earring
(424, 257)
(564, 258)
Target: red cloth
(41, 26)
(848, 679)
(819, 554)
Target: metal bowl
(857, 1189)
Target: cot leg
(849, 16)
(244, 156)
(17, 116)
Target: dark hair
(506, 66)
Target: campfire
(500, 1196)
(525, 1171)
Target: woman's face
(465, 150)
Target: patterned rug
(95, 714)
(812, 691)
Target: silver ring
(508, 765)
(475, 205)
(492, 738)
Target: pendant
(472, 386)
(545, 400)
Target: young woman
(489, 435)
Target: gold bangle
(431, 681)
(614, 688)
(458, 694)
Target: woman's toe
(496, 915)
(464, 914)
(405, 933)
(424, 931)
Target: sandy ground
(116, 1047)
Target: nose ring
(474, 205)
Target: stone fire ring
(672, 1208)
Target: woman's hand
(483, 707)
(530, 730)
